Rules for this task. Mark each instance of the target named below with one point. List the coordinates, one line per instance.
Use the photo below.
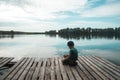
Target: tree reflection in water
(6, 36)
(70, 36)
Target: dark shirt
(73, 54)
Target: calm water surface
(51, 46)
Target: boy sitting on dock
(72, 57)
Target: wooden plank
(84, 70)
(69, 72)
(88, 67)
(63, 72)
(99, 68)
(27, 68)
(81, 73)
(5, 61)
(52, 69)
(99, 75)
(20, 71)
(108, 67)
(105, 69)
(37, 70)
(57, 70)
(1, 58)
(16, 70)
(31, 71)
(47, 71)
(12, 69)
(42, 71)
(75, 73)
(106, 62)
(118, 67)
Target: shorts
(69, 62)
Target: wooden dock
(5, 60)
(88, 68)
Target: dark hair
(70, 43)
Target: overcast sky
(43, 15)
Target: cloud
(108, 10)
(44, 25)
(15, 2)
(30, 26)
(111, 1)
(11, 13)
(92, 24)
(42, 15)
(38, 9)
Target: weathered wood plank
(31, 71)
(63, 72)
(57, 70)
(75, 73)
(81, 73)
(69, 72)
(5, 61)
(42, 71)
(1, 58)
(52, 69)
(118, 67)
(48, 68)
(37, 70)
(88, 67)
(88, 75)
(16, 70)
(105, 69)
(20, 71)
(27, 68)
(111, 65)
(98, 74)
(99, 68)
(10, 71)
(96, 69)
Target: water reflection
(71, 36)
(51, 35)
(89, 37)
(7, 36)
(107, 46)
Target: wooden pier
(5, 60)
(88, 68)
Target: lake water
(44, 46)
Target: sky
(44, 15)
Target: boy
(72, 57)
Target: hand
(63, 59)
(65, 56)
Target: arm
(66, 57)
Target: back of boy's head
(70, 43)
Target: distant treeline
(86, 33)
(72, 33)
(75, 31)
